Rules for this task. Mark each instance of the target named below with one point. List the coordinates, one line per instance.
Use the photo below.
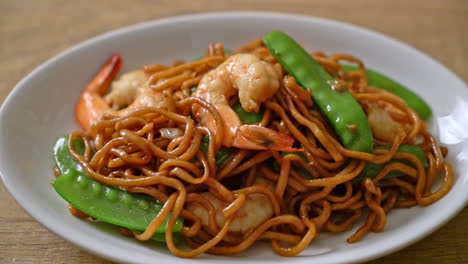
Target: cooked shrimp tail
(257, 137)
(100, 84)
(91, 105)
(128, 93)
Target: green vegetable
(371, 170)
(301, 171)
(106, 203)
(223, 152)
(247, 117)
(193, 89)
(275, 165)
(340, 107)
(383, 82)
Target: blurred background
(33, 31)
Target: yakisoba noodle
(130, 153)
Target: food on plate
(268, 142)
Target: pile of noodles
(131, 153)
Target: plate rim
(160, 22)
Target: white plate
(40, 108)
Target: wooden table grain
(34, 31)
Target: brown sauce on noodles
(130, 154)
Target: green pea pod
(106, 203)
(302, 172)
(222, 154)
(383, 82)
(371, 170)
(193, 89)
(340, 107)
(247, 117)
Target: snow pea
(222, 154)
(338, 105)
(302, 172)
(371, 170)
(193, 89)
(106, 203)
(383, 82)
(247, 117)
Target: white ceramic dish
(40, 108)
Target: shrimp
(382, 125)
(130, 91)
(255, 81)
(256, 210)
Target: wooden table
(34, 31)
